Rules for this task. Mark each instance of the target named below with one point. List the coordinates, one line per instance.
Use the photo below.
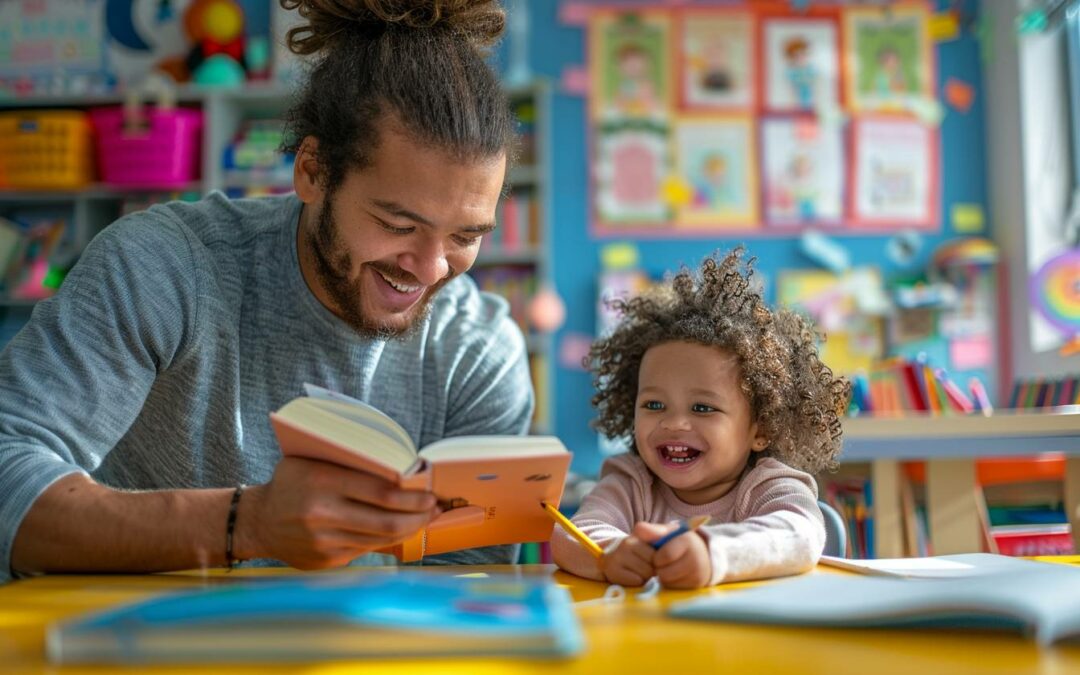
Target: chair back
(835, 532)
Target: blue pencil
(684, 527)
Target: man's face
(378, 248)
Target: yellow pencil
(590, 545)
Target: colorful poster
(895, 173)
(715, 158)
(841, 310)
(630, 67)
(717, 60)
(802, 64)
(631, 165)
(803, 169)
(731, 117)
(890, 58)
(1055, 292)
(47, 38)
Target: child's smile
(678, 455)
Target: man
(135, 403)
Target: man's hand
(630, 563)
(315, 515)
(684, 561)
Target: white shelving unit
(532, 176)
(98, 204)
(950, 445)
(224, 111)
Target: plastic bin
(46, 149)
(163, 152)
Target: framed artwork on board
(802, 171)
(45, 39)
(716, 60)
(890, 56)
(629, 65)
(895, 173)
(801, 64)
(629, 170)
(715, 158)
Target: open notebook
(1037, 599)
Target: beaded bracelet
(231, 525)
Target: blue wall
(553, 47)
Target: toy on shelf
(31, 244)
(253, 163)
(218, 53)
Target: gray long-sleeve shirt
(181, 328)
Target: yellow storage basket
(46, 149)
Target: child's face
(692, 422)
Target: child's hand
(683, 562)
(630, 563)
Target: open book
(493, 486)
(411, 613)
(1040, 599)
(933, 567)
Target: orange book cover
(494, 484)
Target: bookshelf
(95, 205)
(515, 261)
(950, 445)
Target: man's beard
(332, 266)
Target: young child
(729, 410)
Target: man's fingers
(370, 489)
(358, 518)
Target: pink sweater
(768, 525)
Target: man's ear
(306, 176)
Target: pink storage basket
(162, 154)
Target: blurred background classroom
(903, 172)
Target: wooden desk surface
(632, 637)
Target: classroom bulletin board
(760, 119)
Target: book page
(362, 413)
(473, 447)
(337, 423)
(947, 566)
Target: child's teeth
(679, 454)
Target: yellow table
(631, 637)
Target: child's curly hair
(794, 397)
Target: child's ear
(760, 443)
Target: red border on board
(761, 12)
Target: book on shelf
(1034, 539)
(405, 614)
(492, 486)
(1039, 599)
(896, 386)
